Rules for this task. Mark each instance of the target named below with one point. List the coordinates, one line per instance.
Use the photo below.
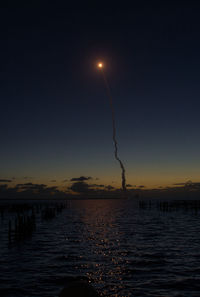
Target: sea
(119, 247)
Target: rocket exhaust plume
(109, 94)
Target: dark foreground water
(121, 249)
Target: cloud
(65, 180)
(97, 186)
(84, 189)
(31, 186)
(25, 184)
(5, 180)
(81, 178)
(80, 187)
(3, 187)
(109, 188)
(189, 184)
(53, 181)
(31, 191)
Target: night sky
(55, 117)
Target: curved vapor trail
(114, 132)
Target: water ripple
(121, 250)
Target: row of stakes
(25, 224)
(23, 227)
(173, 205)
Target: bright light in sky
(100, 65)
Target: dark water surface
(121, 249)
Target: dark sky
(55, 117)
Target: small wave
(13, 292)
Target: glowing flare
(100, 65)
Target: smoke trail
(114, 132)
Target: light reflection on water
(122, 250)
